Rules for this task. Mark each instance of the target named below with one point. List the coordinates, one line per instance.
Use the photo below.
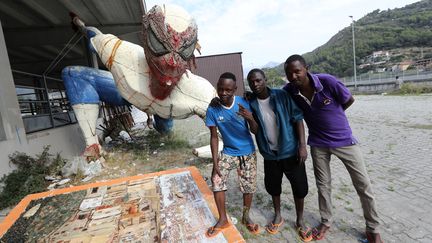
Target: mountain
(396, 31)
(270, 65)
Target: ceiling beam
(42, 11)
(57, 35)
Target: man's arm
(253, 125)
(214, 147)
(302, 152)
(348, 103)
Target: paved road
(395, 133)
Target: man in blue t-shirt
(324, 100)
(231, 116)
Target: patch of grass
(349, 209)
(29, 177)
(408, 88)
(344, 188)
(269, 204)
(390, 146)
(288, 207)
(161, 168)
(259, 198)
(390, 188)
(234, 210)
(421, 126)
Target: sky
(271, 30)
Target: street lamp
(354, 55)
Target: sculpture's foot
(150, 123)
(92, 152)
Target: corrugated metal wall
(211, 67)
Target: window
(43, 102)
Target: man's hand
(216, 174)
(248, 95)
(302, 154)
(245, 113)
(215, 102)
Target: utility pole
(354, 55)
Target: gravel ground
(395, 134)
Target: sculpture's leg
(162, 125)
(85, 88)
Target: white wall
(66, 140)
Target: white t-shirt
(269, 120)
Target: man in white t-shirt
(281, 141)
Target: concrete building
(37, 41)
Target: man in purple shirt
(324, 100)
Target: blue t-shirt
(233, 127)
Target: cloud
(271, 30)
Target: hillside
(405, 33)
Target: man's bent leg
(321, 164)
(352, 158)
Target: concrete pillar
(11, 123)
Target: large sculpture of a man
(156, 79)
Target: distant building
(402, 66)
(211, 67)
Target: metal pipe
(49, 103)
(36, 75)
(354, 55)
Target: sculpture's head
(170, 37)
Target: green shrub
(29, 177)
(408, 88)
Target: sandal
(274, 227)
(253, 228)
(319, 234)
(305, 234)
(215, 230)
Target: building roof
(211, 67)
(37, 31)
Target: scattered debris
(108, 139)
(205, 151)
(52, 178)
(234, 220)
(64, 181)
(125, 136)
(87, 178)
(179, 195)
(32, 211)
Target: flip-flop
(275, 227)
(215, 230)
(253, 228)
(317, 235)
(305, 235)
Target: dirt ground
(395, 136)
